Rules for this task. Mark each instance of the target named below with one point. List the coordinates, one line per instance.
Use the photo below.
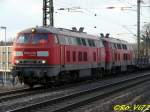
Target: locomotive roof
(60, 31)
(114, 40)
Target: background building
(5, 61)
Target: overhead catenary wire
(90, 11)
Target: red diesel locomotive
(45, 55)
(119, 55)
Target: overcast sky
(17, 15)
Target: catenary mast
(138, 27)
(48, 10)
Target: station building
(5, 61)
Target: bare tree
(145, 33)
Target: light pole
(4, 75)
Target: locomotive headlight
(33, 30)
(43, 61)
(17, 61)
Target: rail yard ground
(135, 99)
(9, 86)
(132, 97)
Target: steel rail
(13, 91)
(8, 95)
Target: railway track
(9, 95)
(20, 93)
(79, 98)
(13, 91)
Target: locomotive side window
(74, 41)
(67, 40)
(83, 42)
(115, 46)
(68, 56)
(118, 46)
(96, 43)
(70, 40)
(23, 38)
(61, 39)
(91, 43)
(79, 42)
(111, 45)
(124, 46)
(104, 43)
(101, 44)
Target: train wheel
(74, 76)
(68, 78)
(31, 85)
(100, 74)
(95, 74)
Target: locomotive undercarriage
(32, 76)
(45, 75)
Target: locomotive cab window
(33, 38)
(23, 38)
(39, 38)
